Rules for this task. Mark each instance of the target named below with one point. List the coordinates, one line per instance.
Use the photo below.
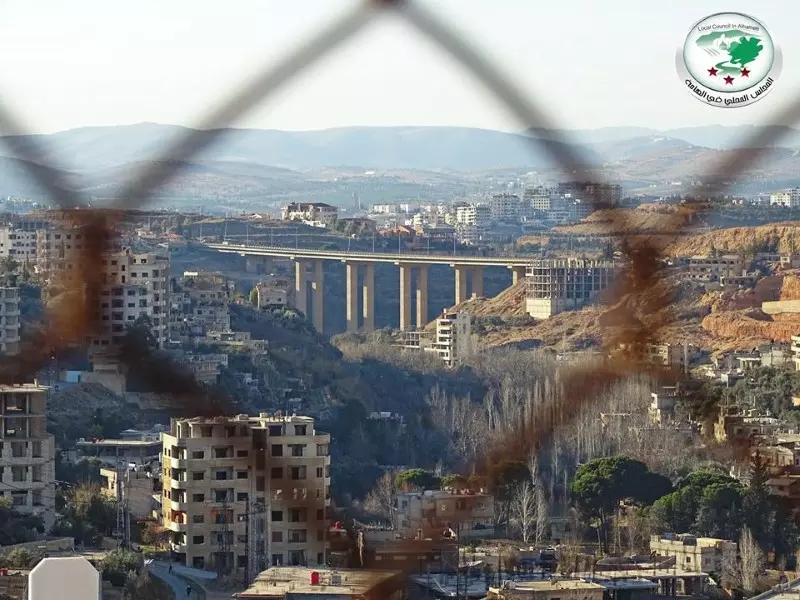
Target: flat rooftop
(278, 581)
(558, 585)
(129, 443)
(23, 387)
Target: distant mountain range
(268, 163)
(88, 149)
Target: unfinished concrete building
(557, 285)
(27, 451)
(9, 320)
(246, 492)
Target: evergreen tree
(756, 506)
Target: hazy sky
(596, 63)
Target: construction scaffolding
(557, 285)
(224, 538)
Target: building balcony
(177, 484)
(176, 527)
(181, 506)
(177, 463)
(179, 548)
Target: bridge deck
(343, 255)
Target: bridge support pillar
(405, 297)
(319, 307)
(517, 274)
(300, 293)
(477, 282)
(422, 296)
(369, 297)
(351, 288)
(461, 284)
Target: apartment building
(508, 208)
(27, 451)
(18, 244)
(310, 212)
(220, 474)
(558, 285)
(58, 252)
(605, 194)
(434, 514)
(795, 349)
(453, 336)
(713, 268)
(693, 553)
(663, 404)
(9, 321)
(133, 486)
(539, 198)
(789, 198)
(135, 285)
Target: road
(178, 584)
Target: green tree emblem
(746, 50)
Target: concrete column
(300, 294)
(461, 284)
(319, 306)
(422, 296)
(517, 274)
(477, 281)
(405, 296)
(351, 287)
(369, 297)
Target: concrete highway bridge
(308, 269)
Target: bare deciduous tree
(744, 572)
(522, 510)
(380, 501)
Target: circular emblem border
(730, 99)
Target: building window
(198, 539)
(221, 475)
(198, 497)
(277, 560)
(298, 536)
(276, 516)
(297, 515)
(297, 473)
(198, 518)
(276, 473)
(241, 474)
(241, 454)
(260, 483)
(241, 496)
(322, 449)
(319, 472)
(320, 514)
(198, 476)
(297, 449)
(241, 561)
(277, 537)
(300, 430)
(277, 450)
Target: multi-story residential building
(671, 355)
(694, 553)
(663, 404)
(27, 451)
(557, 285)
(603, 194)
(134, 284)
(271, 470)
(9, 321)
(18, 244)
(199, 303)
(789, 198)
(473, 214)
(453, 336)
(795, 348)
(508, 208)
(539, 199)
(436, 514)
(310, 212)
(712, 268)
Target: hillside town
(344, 460)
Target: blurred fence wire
(73, 321)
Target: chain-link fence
(76, 319)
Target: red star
(745, 73)
(728, 79)
(712, 71)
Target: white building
(453, 336)
(310, 212)
(27, 451)
(9, 320)
(788, 198)
(18, 244)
